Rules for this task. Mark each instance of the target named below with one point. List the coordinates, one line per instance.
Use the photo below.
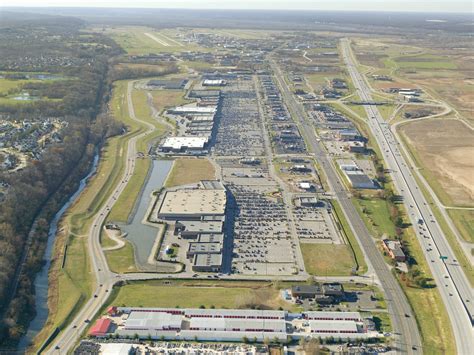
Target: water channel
(143, 236)
(41, 280)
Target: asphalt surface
(105, 279)
(454, 287)
(407, 337)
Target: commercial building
(100, 328)
(323, 294)
(359, 180)
(207, 262)
(214, 82)
(168, 84)
(193, 110)
(394, 249)
(203, 248)
(192, 204)
(191, 229)
(234, 325)
(184, 144)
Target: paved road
(104, 277)
(407, 337)
(453, 284)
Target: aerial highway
(452, 283)
(407, 337)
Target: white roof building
(155, 320)
(179, 143)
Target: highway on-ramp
(452, 283)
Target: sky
(464, 6)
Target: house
(394, 249)
(100, 328)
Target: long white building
(234, 324)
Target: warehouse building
(234, 325)
(184, 144)
(193, 110)
(359, 180)
(193, 204)
(203, 248)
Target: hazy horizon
(436, 6)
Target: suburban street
(452, 283)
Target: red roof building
(100, 328)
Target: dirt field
(445, 148)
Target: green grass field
(189, 171)
(136, 40)
(194, 294)
(464, 221)
(351, 239)
(319, 259)
(376, 215)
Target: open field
(443, 149)
(327, 259)
(194, 294)
(122, 260)
(464, 221)
(424, 61)
(189, 171)
(377, 215)
(136, 40)
(351, 239)
(163, 99)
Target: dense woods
(36, 193)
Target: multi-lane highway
(452, 283)
(407, 336)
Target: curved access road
(104, 278)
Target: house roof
(100, 327)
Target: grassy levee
(350, 238)
(125, 202)
(71, 285)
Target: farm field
(443, 149)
